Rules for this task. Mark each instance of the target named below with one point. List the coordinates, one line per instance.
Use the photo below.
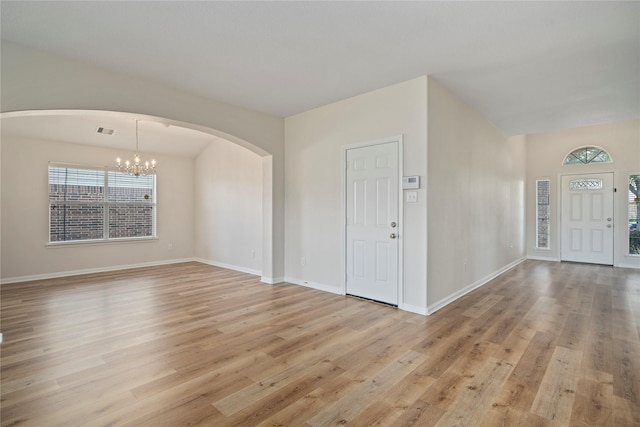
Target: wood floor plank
(544, 344)
(594, 404)
(626, 375)
(483, 305)
(419, 414)
(524, 382)
(349, 406)
(396, 400)
(313, 378)
(507, 322)
(575, 331)
(477, 395)
(557, 390)
(626, 413)
(268, 385)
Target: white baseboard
(229, 266)
(414, 309)
(313, 285)
(619, 265)
(625, 265)
(475, 285)
(91, 271)
(272, 280)
(543, 258)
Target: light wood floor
(545, 344)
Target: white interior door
(587, 218)
(372, 222)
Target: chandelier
(136, 168)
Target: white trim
(414, 309)
(106, 204)
(272, 280)
(628, 255)
(343, 251)
(625, 265)
(229, 266)
(77, 165)
(318, 286)
(543, 258)
(548, 248)
(91, 271)
(590, 163)
(451, 298)
(98, 242)
(560, 200)
(551, 259)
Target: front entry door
(372, 222)
(587, 218)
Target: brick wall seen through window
(80, 208)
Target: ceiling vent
(105, 131)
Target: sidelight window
(634, 214)
(542, 213)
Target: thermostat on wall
(409, 182)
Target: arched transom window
(587, 155)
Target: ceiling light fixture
(136, 168)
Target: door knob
(608, 225)
(608, 219)
(393, 235)
(393, 225)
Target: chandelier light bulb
(136, 169)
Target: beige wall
(228, 207)
(476, 192)
(314, 171)
(473, 175)
(474, 183)
(25, 212)
(545, 154)
(35, 80)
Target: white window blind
(95, 204)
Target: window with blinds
(88, 204)
(543, 213)
(634, 214)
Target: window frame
(548, 219)
(629, 175)
(590, 162)
(105, 203)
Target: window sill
(56, 245)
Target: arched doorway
(166, 137)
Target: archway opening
(247, 176)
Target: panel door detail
(587, 218)
(371, 222)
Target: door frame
(398, 139)
(559, 213)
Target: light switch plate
(412, 196)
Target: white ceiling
(80, 127)
(525, 66)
